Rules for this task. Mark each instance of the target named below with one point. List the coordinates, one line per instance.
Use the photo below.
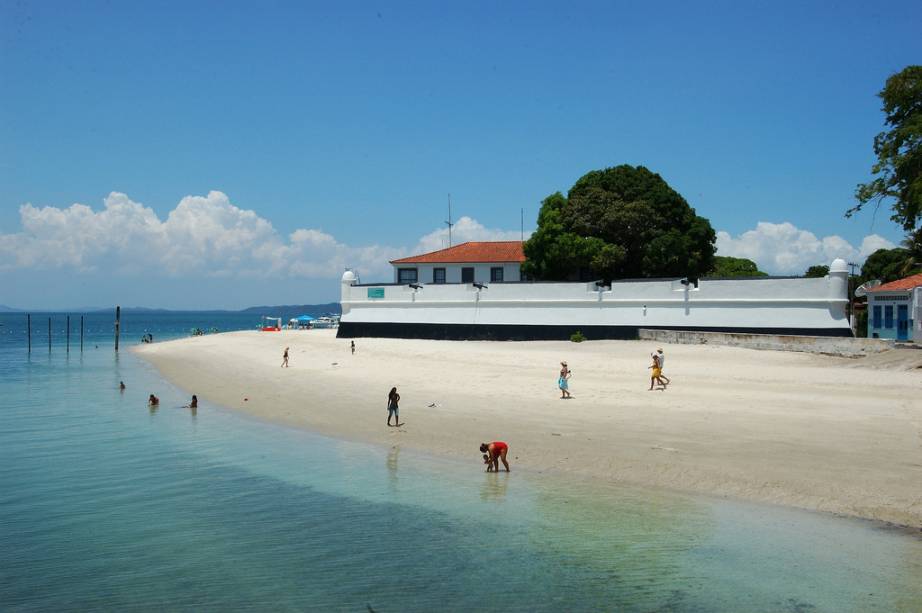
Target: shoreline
(796, 430)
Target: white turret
(838, 279)
(349, 279)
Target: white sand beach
(830, 434)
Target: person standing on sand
(285, 358)
(393, 398)
(353, 347)
(494, 452)
(662, 363)
(562, 380)
(656, 374)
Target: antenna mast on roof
(449, 220)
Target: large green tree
(727, 266)
(886, 265)
(817, 270)
(899, 151)
(620, 222)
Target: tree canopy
(620, 222)
(885, 265)
(899, 151)
(726, 266)
(818, 270)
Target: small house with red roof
(895, 309)
(470, 262)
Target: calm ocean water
(106, 505)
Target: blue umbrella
(305, 318)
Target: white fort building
(475, 291)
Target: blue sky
(350, 123)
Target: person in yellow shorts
(656, 376)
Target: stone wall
(848, 347)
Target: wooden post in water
(49, 335)
(81, 334)
(29, 330)
(118, 324)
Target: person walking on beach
(393, 398)
(353, 347)
(562, 380)
(493, 453)
(285, 358)
(656, 373)
(662, 363)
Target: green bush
(577, 337)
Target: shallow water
(105, 504)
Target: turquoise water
(105, 504)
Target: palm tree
(913, 245)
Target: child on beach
(493, 453)
(656, 375)
(662, 363)
(285, 358)
(562, 380)
(393, 398)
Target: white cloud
(786, 249)
(465, 229)
(203, 235)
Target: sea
(109, 505)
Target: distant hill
(314, 310)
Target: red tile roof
(906, 283)
(473, 251)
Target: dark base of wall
(498, 332)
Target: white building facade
(895, 310)
(471, 262)
(481, 309)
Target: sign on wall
(376, 292)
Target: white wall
(917, 314)
(758, 303)
(511, 271)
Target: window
(888, 316)
(496, 274)
(438, 275)
(876, 318)
(467, 275)
(406, 275)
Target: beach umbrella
(305, 318)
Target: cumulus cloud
(203, 235)
(783, 248)
(465, 229)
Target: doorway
(902, 322)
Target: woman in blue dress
(562, 381)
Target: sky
(227, 154)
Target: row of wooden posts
(118, 325)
